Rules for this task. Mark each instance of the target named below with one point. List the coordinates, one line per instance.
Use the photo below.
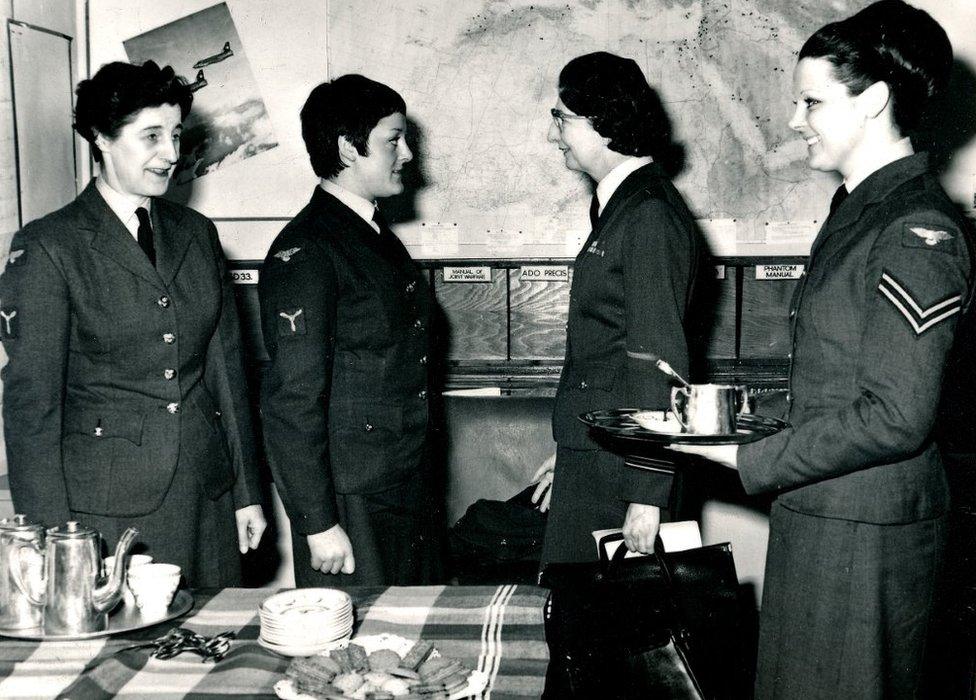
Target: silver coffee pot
(68, 589)
(17, 612)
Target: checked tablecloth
(498, 630)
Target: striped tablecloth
(495, 629)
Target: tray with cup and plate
(663, 428)
(700, 414)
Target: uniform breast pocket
(363, 437)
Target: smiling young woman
(858, 522)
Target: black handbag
(665, 625)
(498, 542)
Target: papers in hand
(676, 537)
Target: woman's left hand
(726, 455)
(250, 526)
(640, 527)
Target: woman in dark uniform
(125, 402)
(856, 530)
(632, 284)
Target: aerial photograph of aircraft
(226, 53)
(198, 83)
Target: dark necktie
(380, 221)
(594, 211)
(145, 235)
(839, 196)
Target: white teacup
(134, 561)
(153, 587)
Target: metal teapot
(68, 591)
(17, 612)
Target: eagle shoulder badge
(931, 236)
(16, 256)
(286, 255)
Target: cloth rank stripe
(918, 318)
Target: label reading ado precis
(544, 273)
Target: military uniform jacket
(118, 369)
(872, 323)
(632, 284)
(344, 312)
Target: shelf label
(779, 272)
(544, 273)
(467, 274)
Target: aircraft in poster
(225, 53)
(200, 82)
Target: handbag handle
(620, 553)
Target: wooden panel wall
(510, 322)
(477, 316)
(538, 318)
(765, 331)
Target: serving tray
(125, 619)
(619, 423)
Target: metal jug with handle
(73, 602)
(17, 611)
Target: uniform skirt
(187, 529)
(394, 536)
(846, 607)
(585, 498)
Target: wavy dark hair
(118, 91)
(613, 92)
(892, 42)
(351, 106)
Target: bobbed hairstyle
(351, 106)
(892, 42)
(613, 92)
(118, 91)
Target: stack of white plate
(305, 621)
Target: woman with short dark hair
(125, 401)
(632, 285)
(857, 527)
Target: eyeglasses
(559, 117)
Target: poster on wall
(228, 122)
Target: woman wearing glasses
(856, 530)
(632, 284)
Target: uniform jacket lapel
(110, 238)
(354, 230)
(631, 184)
(875, 188)
(172, 239)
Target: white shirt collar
(362, 206)
(613, 179)
(123, 206)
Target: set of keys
(180, 639)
